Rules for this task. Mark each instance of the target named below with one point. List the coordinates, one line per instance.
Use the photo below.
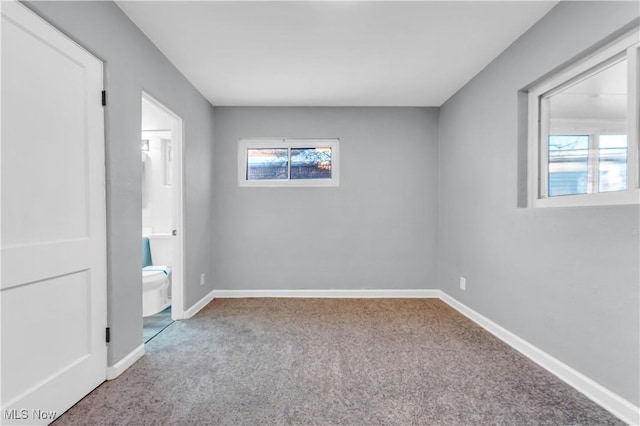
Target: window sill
(583, 200)
(286, 183)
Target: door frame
(177, 140)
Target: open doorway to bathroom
(162, 213)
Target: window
(583, 131)
(288, 162)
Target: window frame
(625, 47)
(288, 143)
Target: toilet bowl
(156, 282)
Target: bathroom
(160, 245)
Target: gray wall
(377, 230)
(133, 63)
(564, 279)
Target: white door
(53, 248)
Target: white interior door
(53, 237)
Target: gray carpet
(333, 362)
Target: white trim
(199, 305)
(119, 367)
(602, 396)
(633, 121)
(357, 294)
(603, 54)
(597, 199)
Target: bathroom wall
(134, 64)
(377, 230)
(157, 191)
(564, 279)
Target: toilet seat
(156, 281)
(148, 271)
(153, 274)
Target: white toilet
(156, 280)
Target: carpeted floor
(333, 362)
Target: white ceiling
(332, 53)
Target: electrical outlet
(202, 278)
(463, 283)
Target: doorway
(162, 216)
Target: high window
(288, 162)
(583, 130)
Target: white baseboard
(612, 402)
(199, 305)
(359, 293)
(119, 367)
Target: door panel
(43, 326)
(50, 201)
(53, 243)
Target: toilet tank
(162, 248)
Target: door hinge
(108, 334)
(104, 98)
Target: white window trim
(245, 144)
(538, 152)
